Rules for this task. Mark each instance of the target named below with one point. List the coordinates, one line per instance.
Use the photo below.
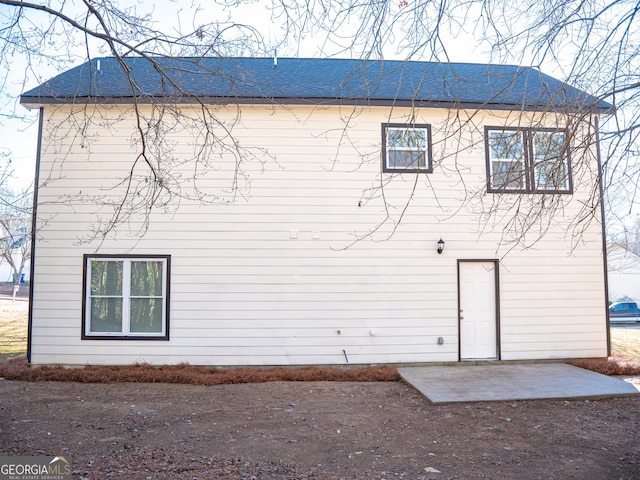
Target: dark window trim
(527, 134)
(603, 228)
(85, 260)
(34, 236)
(424, 126)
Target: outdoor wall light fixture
(440, 245)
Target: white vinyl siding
(308, 259)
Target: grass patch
(626, 341)
(13, 330)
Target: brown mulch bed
(18, 369)
(614, 365)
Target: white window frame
(126, 296)
(426, 150)
(519, 160)
(562, 163)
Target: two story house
(261, 211)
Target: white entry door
(478, 310)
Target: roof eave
(42, 101)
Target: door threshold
(494, 359)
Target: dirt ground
(314, 430)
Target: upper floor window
(527, 160)
(406, 148)
(126, 297)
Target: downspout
(36, 183)
(604, 236)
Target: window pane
(508, 175)
(413, 138)
(550, 168)
(394, 138)
(506, 151)
(548, 145)
(106, 315)
(146, 315)
(146, 279)
(406, 159)
(551, 175)
(106, 278)
(407, 138)
(506, 145)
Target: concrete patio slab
(491, 382)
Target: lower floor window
(126, 296)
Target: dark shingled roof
(314, 81)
